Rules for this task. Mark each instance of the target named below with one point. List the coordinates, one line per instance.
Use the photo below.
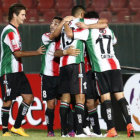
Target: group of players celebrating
(78, 66)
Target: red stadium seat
(47, 16)
(65, 13)
(27, 3)
(63, 5)
(118, 5)
(123, 17)
(107, 15)
(136, 18)
(134, 5)
(32, 16)
(6, 4)
(45, 5)
(1, 16)
(99, 5)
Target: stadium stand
(134, 5)
(98, 5)
(107, 15)
(136, 18)
(1, 17)
(123, 16)
(118, 5)
(63, 6)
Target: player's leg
(23, 89)
(117, 89)
(93, 116)
(49, 86)
(64, 109)
(107, 110)
(5, 117)
(7, 91)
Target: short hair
(92, 14)
(15, 8)
(59, 18)
(75, 9)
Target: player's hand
(73, 52)
(41, 50)
(68, 18)
(81, 25)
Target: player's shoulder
(90, 20)
(7, 29)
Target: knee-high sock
(5, 118)
(79, 112)
(22, 111)
(107, 112)
(125, 110)
(64, 108)
(93, 117)
(49, 118)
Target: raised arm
(57, 32)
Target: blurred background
(123, 17)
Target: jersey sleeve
(46, 39)
(114, 39)
(11, 41)
(81, 34)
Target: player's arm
(91, 26)
(103, 20)
(57, 32)
(39, 51)
(70, 51)
(68, 30)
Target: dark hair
(59, 18)
(92, 14)
(15, 8)
(75, 9)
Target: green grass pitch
(42, 135)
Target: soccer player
(92, 100)
(72, 76)
(12, 78)
(108, 74)
(50, 67)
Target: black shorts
(73, 79)
(13, 85)
(109, 81)
(49, 87)
(91, 86)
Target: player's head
(17, 12)
(55, 22)
(92, 14)
(78, 11)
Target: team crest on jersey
(103, 31)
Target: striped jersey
(78, 44)
(100, 48)
(50, 64)
(10, 42)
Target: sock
(125, 110)
(70, 120)
(108, 113)
(5, 117)
(79, 112)
(86, 120)
(93, 117)
(22, 111)
(50, 118)
(64, 108)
